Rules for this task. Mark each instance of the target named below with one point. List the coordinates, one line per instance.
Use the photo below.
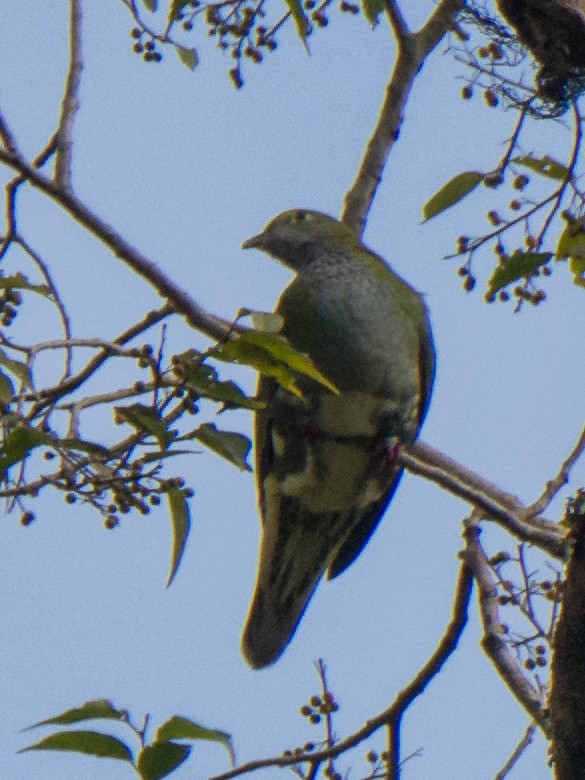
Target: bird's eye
(299, 216)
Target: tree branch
(494, 646)
(497, 505)
(526, 740)
(553, 486)
(393, 714)
(213, 326)
(70, 102)
(413, 49)
(65, 321)
(397, 20)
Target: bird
(326, 462)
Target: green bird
(326, 463)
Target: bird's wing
(315, 489)
(372, 514)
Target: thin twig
(57, 300)
(513, 141)
(518, 750)
(52, 394)
(553, 486)
(12, 190)
(213, 326)
(560, 192)
(493, 644)
(402, 701)
(70, 102)
(8, 140)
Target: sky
(187, 168)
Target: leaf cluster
(171, 746)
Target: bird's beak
(254, 242)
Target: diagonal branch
(393, 714)
(199, 318)
(553, 486)
(526, 740)
(397, 20)
(493, 644)
(413, 49)
(504, 508)
(70, 102)
(51, 394)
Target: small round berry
(520, 182)
(27, 518)
(491, 98)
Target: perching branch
(497, 505)
(393, 714)
(413, 49)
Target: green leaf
(20, 282)
(179, 727)
(188, 57)
(180, 526)
(372, 10)
(15, 367)
(150, 5)
(91, 743)
(577, 268)
(271, 354)
(160, 455)
(203, 379)
(160, 759)
(6, 388)
(176, 8)
(231, 446)
(146, 420)
(89, 447)
(18, 443)
(516, 266)
(98, 708)
(301, 22)
(571, 246)
(451, 193)
(266, 322)
(546, 166)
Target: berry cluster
(319, 706)
(10, 300)
(532, 650)
(145, 46)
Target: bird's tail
(294, 554)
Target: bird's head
(294, 236)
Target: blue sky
(187, 168)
